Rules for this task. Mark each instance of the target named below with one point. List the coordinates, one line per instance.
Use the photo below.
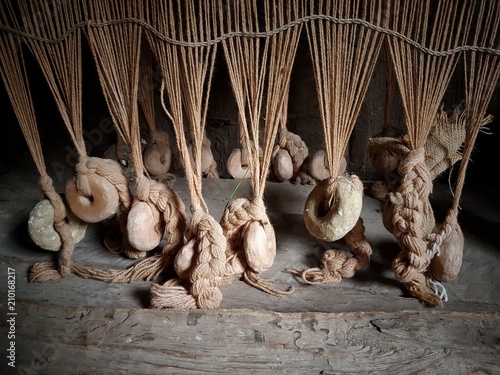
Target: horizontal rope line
(262, 34)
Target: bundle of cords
(344, 57)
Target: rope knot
(84, 169)
(143, 188)
(257, 210)
(334, 260)
(282, 138)
(396, 198)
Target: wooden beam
(54, 339)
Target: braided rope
(411, 264)
(209, 271)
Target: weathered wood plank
(53, 339)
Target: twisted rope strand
(261, 34)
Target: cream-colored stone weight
(144, 227)
(282, 165)
(156, 162)
(235, 167)
(102, 204)
(259, 242)
(41, 226)
(183, 261)
(329, 217)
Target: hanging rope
(344, 58)
(481, 75)
(251, 65)
(118, 72)
(98, 183)
(117, 54)
(187, 74)
(291, 151)
(422, 81)
(423, 71)
(157, 154)
(13, 73)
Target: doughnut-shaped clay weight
(235, 167)
(41, 226)
(144, 226)
(282, 165)
(102, 204)
(259, 242)
(329, 217)
(156, 162)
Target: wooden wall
(303, 115)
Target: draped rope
(13, 73)
(187, 74)
(481, 75)
(252, 34)
(422, 81)
(119, 99)
(252, 65)
(344, 58)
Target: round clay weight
(143, 226)
(156, 163)
(259, 242)
(101, 205)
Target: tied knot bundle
(160, 139)
(207, 271)
(336, 264)
(258, 68)
(187, 74)
(298, 151)
(344, 57)
(240, 213)
(295, 146)
(422, 80)
(107, 169)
